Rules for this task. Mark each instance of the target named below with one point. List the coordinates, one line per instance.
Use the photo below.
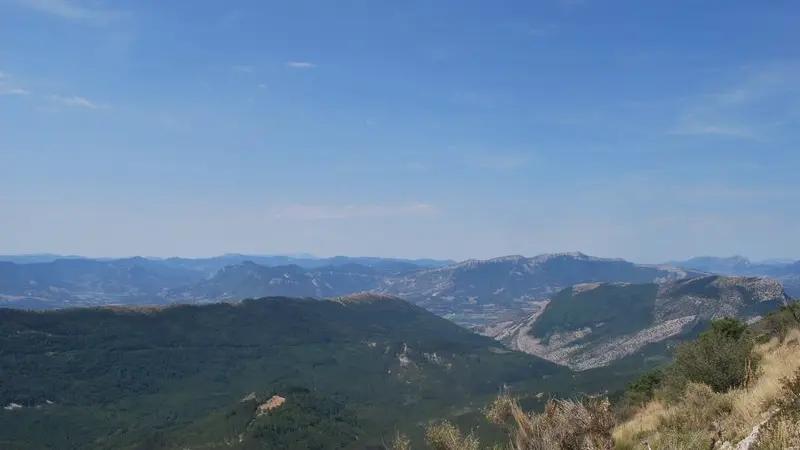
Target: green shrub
(722, 357)
(672, 387)
(639, 392)
(727, 327)
(779, 323)
(644, 388)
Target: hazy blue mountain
(36, 258)
(733, 265)
(212, 264)
(777, 261)
(250, 280)
(477, 292)
(783, 270)
(469, 292)
(73, 282)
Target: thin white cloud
(8, 88)
(323, 212)
(691, 126)
(71, 10)
(300, 65)
(502, 161)
(5, 90)
(749, 109)
(78, 102)
(243, 68)
(541, 31)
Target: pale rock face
(480, 292)
(403, 357)
(275, 402)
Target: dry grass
(564, 425)
(400, 442)
(646, 420)
(691, 423)
(783, 434)
(781, 360)
(445, 436)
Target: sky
(647, 130)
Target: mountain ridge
(489, 290)
(470, 292)
(785, 271)
(591, 325)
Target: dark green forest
(353, 371)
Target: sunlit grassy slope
(692, 422)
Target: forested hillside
(351, 370)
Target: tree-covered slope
(118, 377)
(591, 325)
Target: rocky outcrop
(275, 401)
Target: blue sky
(648, 130)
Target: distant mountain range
(481, 291)
(211, 265)
(470, 292)
(785, 271)
(592, 325)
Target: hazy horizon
(302, 255)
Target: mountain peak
(735, 259)
(513, 258)
(365, 297)
(572, 255)
(538, 258)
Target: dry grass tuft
(700, 407)
(784, 431)
(565, 424)
(445, 436)
(782, 434)
(401, 442)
